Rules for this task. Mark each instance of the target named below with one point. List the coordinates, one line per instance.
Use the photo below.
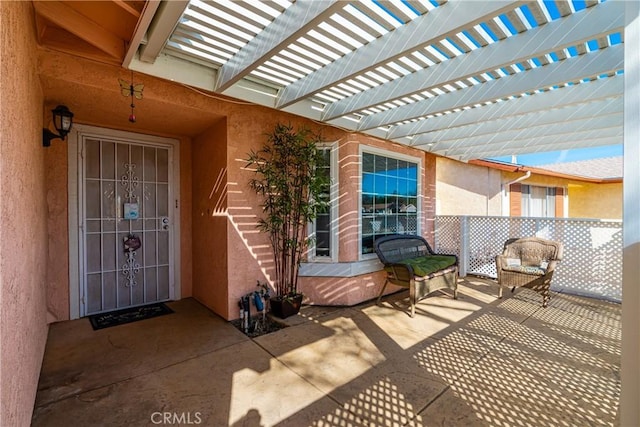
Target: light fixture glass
(62, 121)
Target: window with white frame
(323, 233)
(538, 201)
(389, 201)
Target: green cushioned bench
(426, 265)
(410, 262)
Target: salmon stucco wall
(348, 184)
(186, 220)
(344, 291)
(250, 254)
(56, 173)
(23, 217)
(209, 186)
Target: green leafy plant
(291, 191)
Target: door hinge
(176, 203)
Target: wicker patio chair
(411, 263)
(528, 262)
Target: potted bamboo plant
(291, 191)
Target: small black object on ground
(128, 315)
(263, 327)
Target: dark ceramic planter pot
(287, 306)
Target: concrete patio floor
(475, 361)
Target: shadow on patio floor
(472, 361)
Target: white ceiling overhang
(461, 78)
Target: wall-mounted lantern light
(62, 121)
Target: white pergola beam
(290, 25)
(446, 20)
(588, 65)
(480, 150)
(570, 95)
(564, 144)
(178, 70)
(513, 136)
(164, 22)
(574, 29)
(556, 116)
(184, 70)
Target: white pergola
(460, 78)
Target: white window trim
(368, 263)
(334, 194)
(394, 155)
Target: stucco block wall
(464, 189)
(56, 177)
(348, 183)
(588, 200)
(344, 291)
(186, 223)
(250, 253)
(209, 186)
(23, 215)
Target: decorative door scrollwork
(131, 267)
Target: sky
(564, 156)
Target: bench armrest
(403, 272)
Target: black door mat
(128, 315)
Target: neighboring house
(598, 192)
(584, 189)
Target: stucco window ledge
(339, 269)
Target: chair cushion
(526, 269)
(513, 262)
(425, 265)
